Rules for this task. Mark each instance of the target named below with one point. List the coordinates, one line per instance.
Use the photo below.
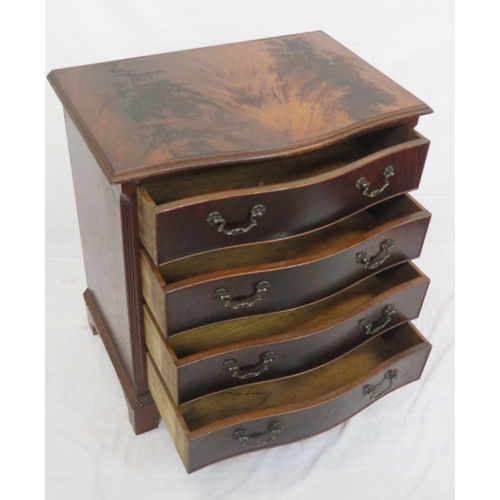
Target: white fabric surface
(399, 448)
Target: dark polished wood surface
(291, 123)
(190, 303)
(292, 206)
(151, 115)
(300, 339)
(143, 413)
(314, 244)
(100, 219)
(305, 404)
(110, 243)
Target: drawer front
(192, 227)
(272, 359)
(203, 302)
(206, 431)
(300, 424)
(289, 357)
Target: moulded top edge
(152, 115)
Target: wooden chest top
(152, 115)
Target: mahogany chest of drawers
(248, 236)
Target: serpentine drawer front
(305, 268)
(247, 231)
(270, 413)
(208, 359)
(320, 189)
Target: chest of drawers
(248, 236)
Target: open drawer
(283, 274)
(197, 211)
(216, 357)
(281, 411)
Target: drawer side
(147, 221)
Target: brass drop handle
(363, 185)
(223, 294)
(383, 387)
(387, 312)
(374, 262)
(217, 219)
(242, 436)
(266, 358)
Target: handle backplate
(387, 312)
(223, 294)
(363, 185)
(376, 261)
(266, 359)
(376, 391)
(215, 218)
(243, 437)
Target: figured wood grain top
(243, 101)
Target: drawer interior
(298, 389)
(317, 315)
(313, 244)
(178, 186)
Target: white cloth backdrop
(399, 448)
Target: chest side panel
(98, 206)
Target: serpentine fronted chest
(248, 236)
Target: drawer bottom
(282, 411)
